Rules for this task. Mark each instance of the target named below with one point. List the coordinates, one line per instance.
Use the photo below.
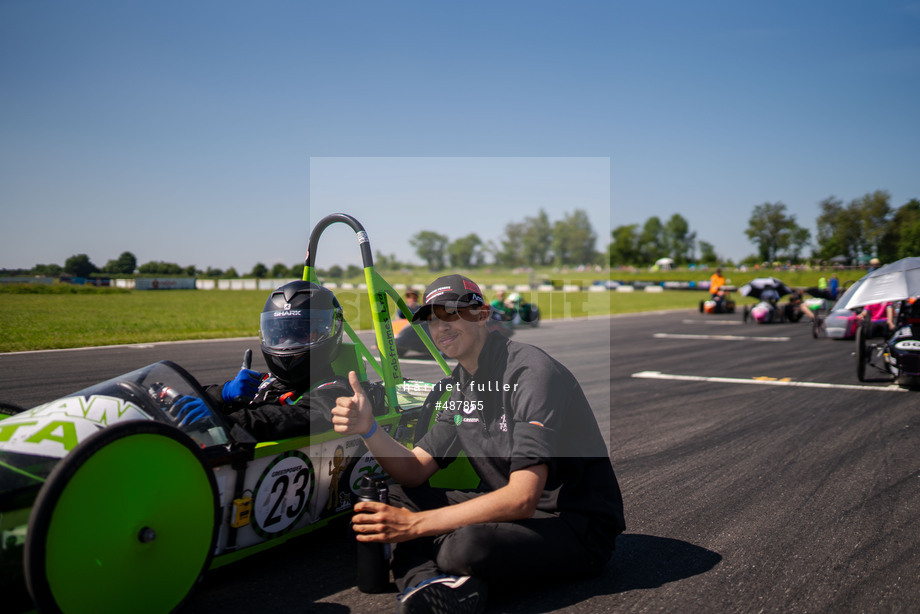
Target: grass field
(64, 316)
(57, 320)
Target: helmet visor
(298, 328)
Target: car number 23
(283, 493)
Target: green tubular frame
(377, 290)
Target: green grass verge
(66, 320)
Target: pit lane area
(743, 491)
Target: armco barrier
(267, 285)
(164, 283)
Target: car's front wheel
(861, 356)
(125, 523)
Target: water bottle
(373, 568)
(383, 494)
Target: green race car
(105, 489)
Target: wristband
(370, 433)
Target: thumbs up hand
(353, 414)
(244, 387)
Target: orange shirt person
(716, 282)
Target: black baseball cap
(451, 291)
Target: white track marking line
(715, 322)
(131, 346)
(719, 337)
(760, 382)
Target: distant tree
(510, 252)
(47, 270)
(353, 271)
(160, 268)
(624, 248)
(230, 274)
(259, 271)
(537, 240)
(574, 239)
(430, 247)
(191, 270)
(465, 252)
(387, 262)
(124, 265)
(335, 272)
(708, 253)
(679, 241)
(296, 271)
(79, 265)
(874, 214)
(212, 272)
(799, 238)
(838, 230)
(902, 238)
(280, 270)
(651, 244)
(771, 230)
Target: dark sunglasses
(445, 314)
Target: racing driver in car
(301, 333)
(548, 504)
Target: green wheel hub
(125, 523)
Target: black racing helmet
(301, 322)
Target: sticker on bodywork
(367, 466)
(282, 494)
(56, 428)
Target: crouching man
(548, 504)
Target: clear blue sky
(215, 133)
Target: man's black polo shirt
(523, 408)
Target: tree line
(80, 265)
(865, 227)
(533, 242)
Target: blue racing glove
(242, 388)
(190, 410)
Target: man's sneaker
(445, 595)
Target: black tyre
(701, 306)
(745, 313)
(126, 522)
(9, 409)
(861, 355)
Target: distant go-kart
(108, 504)
(768, 291)
(720, 304)
(516, 312)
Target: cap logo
(471, 286)
(436, 293)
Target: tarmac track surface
(743, 492)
